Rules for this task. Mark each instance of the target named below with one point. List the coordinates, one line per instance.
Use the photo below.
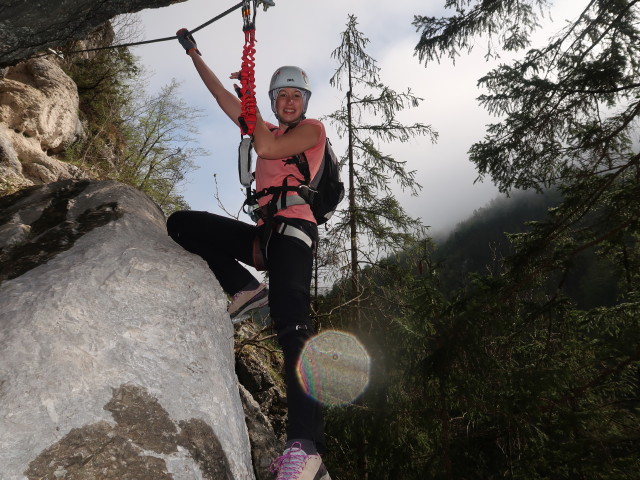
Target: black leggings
(223, 243)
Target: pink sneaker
(246, 300)
(295, 464)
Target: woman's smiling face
(289, 104)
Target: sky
(304, 33)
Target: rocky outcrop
(30, 27)
(264, 447)
(38, 119)
(259, 368)
(116, 355)
(116, 352)
(11, 177)
(38, 100)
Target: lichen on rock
(142, 439)
(27, 242)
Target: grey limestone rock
(38, 120)
(27, 27)
(116, 351)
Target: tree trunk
(352, 193)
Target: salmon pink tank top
(273, 172)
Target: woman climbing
(287, 236)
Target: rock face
(27, 27)
(38, 118)
(263, 394)
(116, 355)
(38, 100)
(115, 347)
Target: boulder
(116, 351)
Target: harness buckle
(307, 193)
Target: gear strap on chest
(279, 194)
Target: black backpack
(326, 190)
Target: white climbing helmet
(292, 77)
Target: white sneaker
(246, 300)
(295, 464)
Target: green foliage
(511, 21)
(103, 88)
(518, 374)
(570, 108)
(144, 140)
(373, 220)
(534, 388)
(501, 380)
(372, 435)
(158, 132)
(507, 377)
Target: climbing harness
(261, 240)
(323, 193)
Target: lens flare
(334, 368)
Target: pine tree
(373, 224)
(524, 384)
(373, 221)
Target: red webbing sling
(247, 90)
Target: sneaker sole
(243, 314)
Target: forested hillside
(480, 244)
(512, 348)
